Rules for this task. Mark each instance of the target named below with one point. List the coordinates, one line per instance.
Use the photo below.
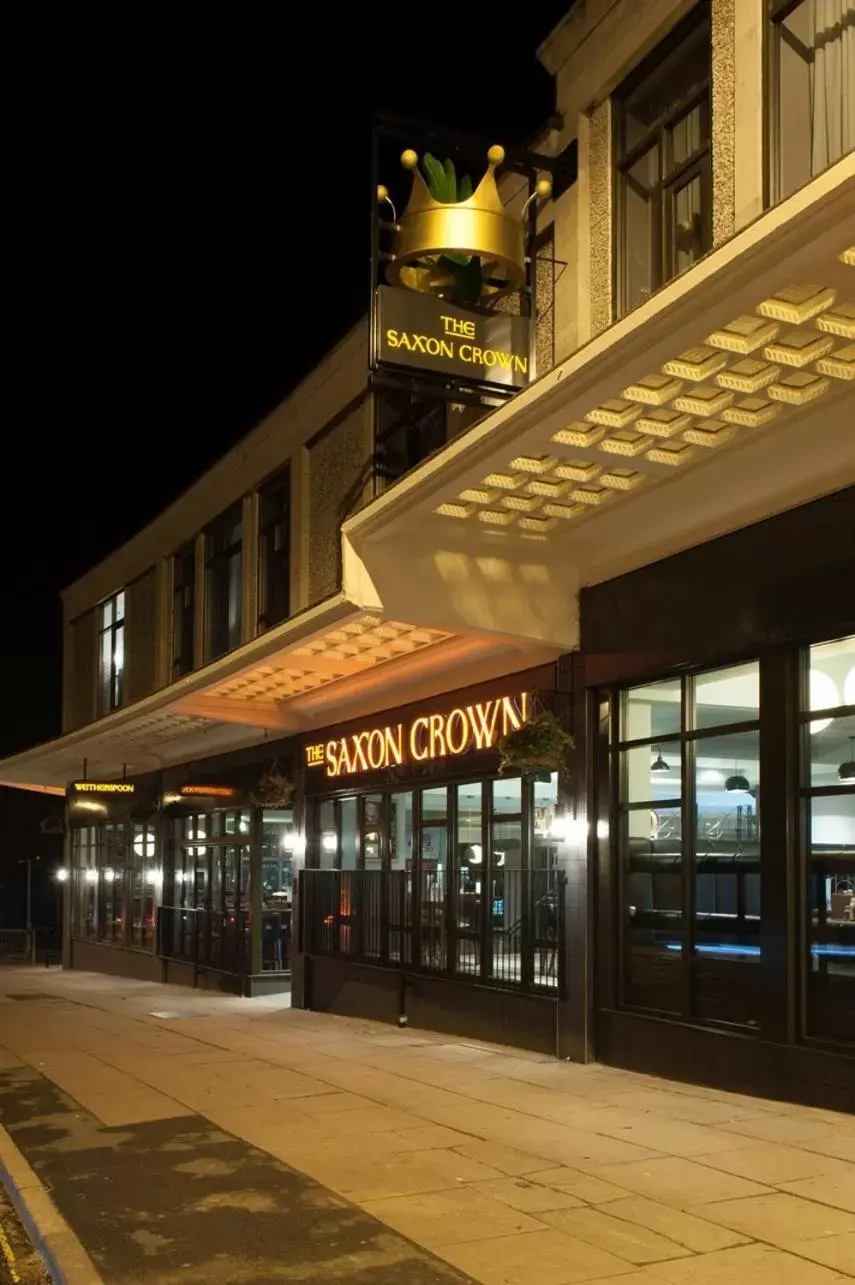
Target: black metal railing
(512, 938)
(206, 938)
(17, 946)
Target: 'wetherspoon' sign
(428, 737)
(103, 787)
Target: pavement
(188, 1136)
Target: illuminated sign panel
(102, 787)
(430, 736)
(418, 330)
(208, 791)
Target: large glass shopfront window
(208, 916)
(463, 879)
(116, 880)
(828, 827)
(687, 772)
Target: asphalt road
(19, 1263)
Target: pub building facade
(593, 449)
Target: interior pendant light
(659, 764)
(846, 771)
(737, 784)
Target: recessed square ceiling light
(706, 400)
(799, 388)
(839, 320)
(663, 423)
(797, 304)
(748, 375)
(494, 517)
(840, 364)
(653, 390)
(743, 335)
(752, 412)
(671, 453)
(533, 463)
(578, 434)
(799, 348)
(576, 470)
(450, 510)
(615, 413)
(698, 363)
(709, 432)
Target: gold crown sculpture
(434, 239)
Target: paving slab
(197, 1136)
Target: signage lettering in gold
(449, 348)
(103, 787)
(428, 737)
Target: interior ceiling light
(737, 784)
(659, 764)
(846, 771)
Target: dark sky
(194, 208)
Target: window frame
(686, 739)
(183, 638)
(218, 555)
(279, 485)
(806, 793)
(662, 256)
(112, 686)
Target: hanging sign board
(427, 333)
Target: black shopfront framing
(404, 969)
(766, 592)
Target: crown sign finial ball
(409, 159)
(382, 193)
(544, 188)
(496, 154)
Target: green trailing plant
(444, 186)
(274, 790)
(540, 745)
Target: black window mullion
(688, 826)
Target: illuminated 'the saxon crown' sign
(428, 737)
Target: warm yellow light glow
(533, 463)
(627, 443)
(799, 388)
(840, 364)
(798, 348)
(578, 434)
(614, 413)
(797, 304)
(663, 423)
(706, 400)
(748, 376)
(563, 511)
(576, 470)
(427, 737)
(752, 412)
(449, 510)
(621, 479)
(505, 481)
(653, 390)
(551, 489)
(495, 517)
(696, 363)
(520, 503)
(538, 525)
(839, 321)
(743, 335)
(590, 495)
(709, 433)
(477, 495)
(671, 453)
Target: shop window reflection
(470, 878)
(727, 902)
(689, 838)
(829, 827)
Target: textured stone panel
(600, 187)
(723, 120)
(339, 484)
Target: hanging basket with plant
(540, 745)
(274, 790)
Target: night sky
(199, 227)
